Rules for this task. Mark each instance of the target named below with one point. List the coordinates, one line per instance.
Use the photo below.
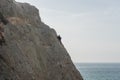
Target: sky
(90, 29)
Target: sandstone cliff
(33, 51)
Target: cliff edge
(32, 50)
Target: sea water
(99, 71)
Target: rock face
(32, 50)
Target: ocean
(99, 71)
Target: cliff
(32, 50)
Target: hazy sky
(90, 29)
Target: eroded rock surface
(33, 51)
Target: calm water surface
(99, 71)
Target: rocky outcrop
(32, 50)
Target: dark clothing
(59, 38)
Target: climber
(2, 39)
(3, 22)
(59, 38)
(3, 19)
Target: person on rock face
(3, 22)
(59, 38)
(2, 39)
(3, 19)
